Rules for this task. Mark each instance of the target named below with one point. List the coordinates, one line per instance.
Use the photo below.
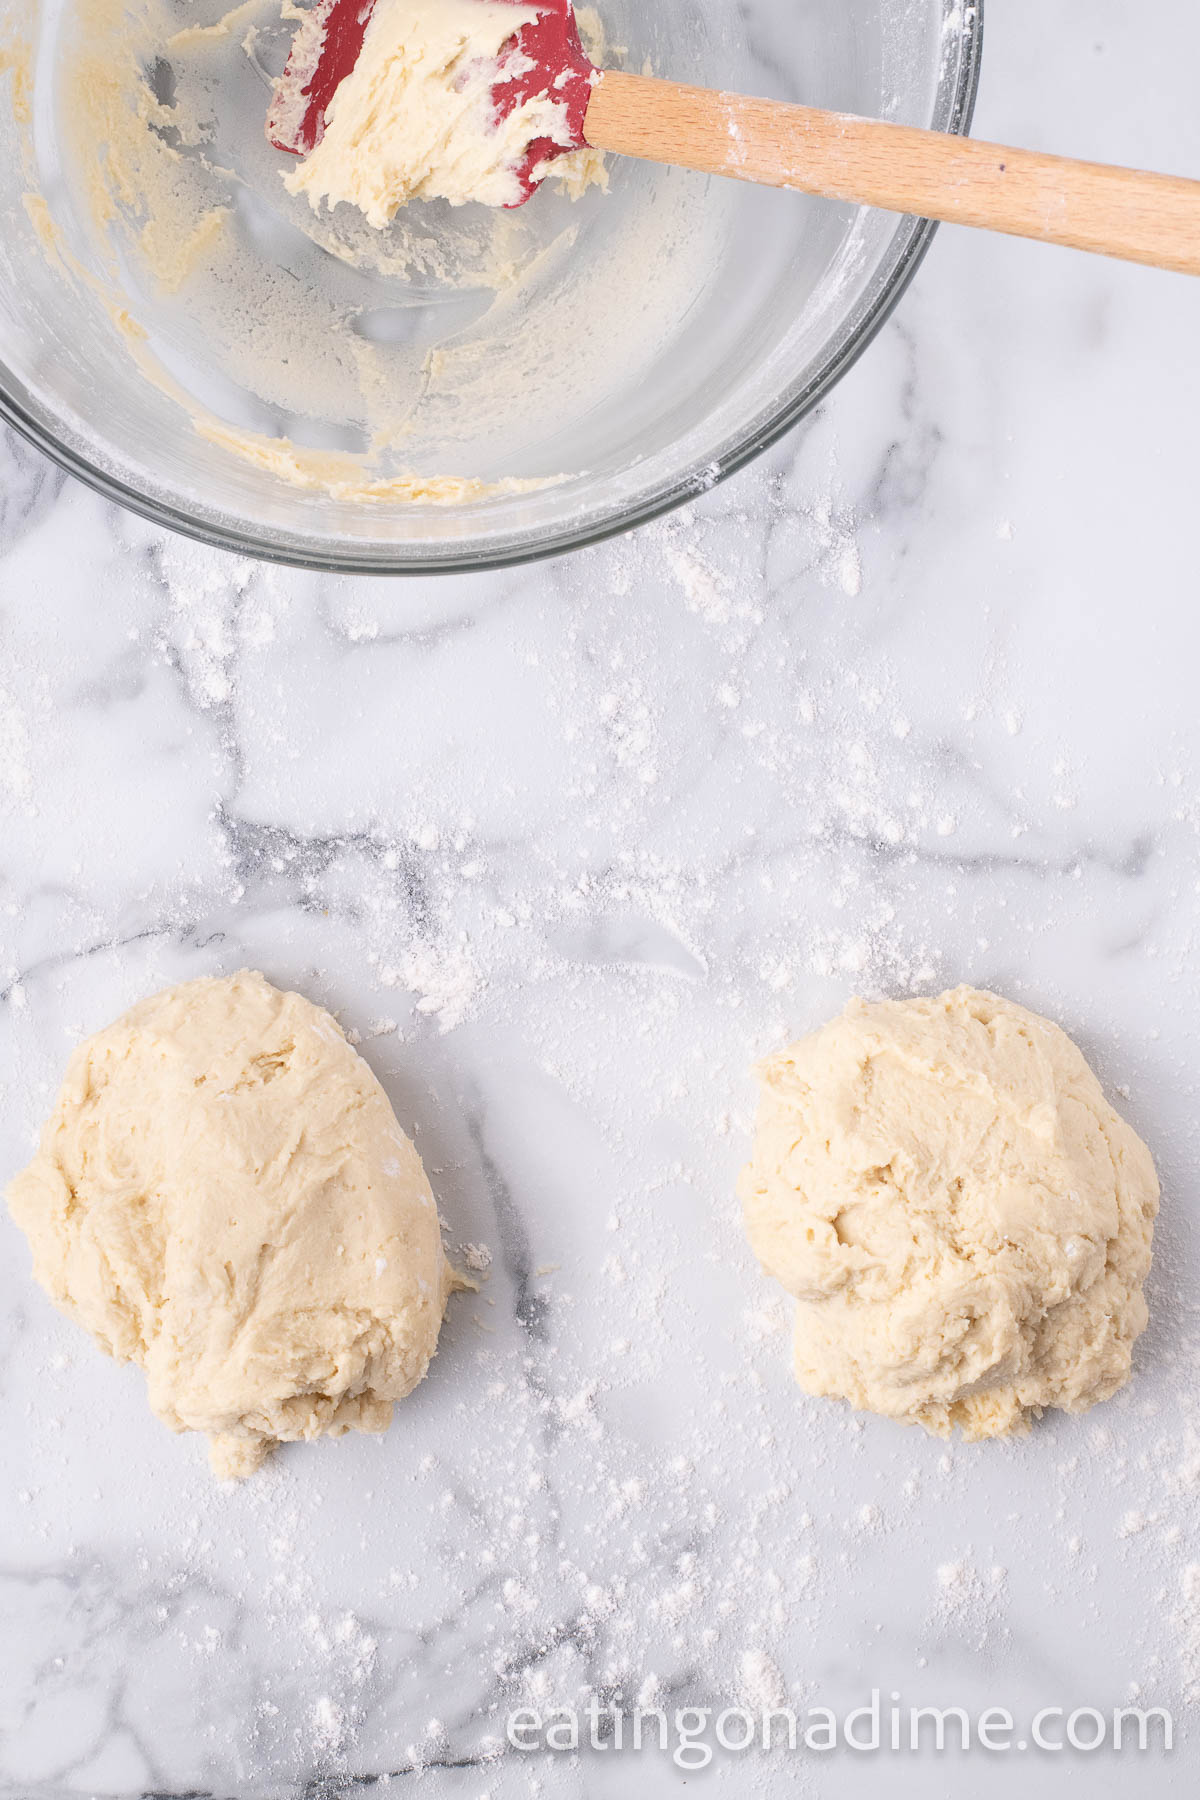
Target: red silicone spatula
(544, 56)
(1126, 213)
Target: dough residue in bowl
(441, 360)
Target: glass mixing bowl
(671, 329)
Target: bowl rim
(914, 237)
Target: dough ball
(964, 1220)
(223, 1195)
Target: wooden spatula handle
(1090, 206)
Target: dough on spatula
(223, 1195)
(964, 1220)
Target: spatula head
(544, 57)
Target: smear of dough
(343, 477)
(222, 1195)
(16, 57)
(964, 1220)
(192, 35)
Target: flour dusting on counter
(607, 1486)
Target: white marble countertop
(911, 702)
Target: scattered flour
(570, 1533)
